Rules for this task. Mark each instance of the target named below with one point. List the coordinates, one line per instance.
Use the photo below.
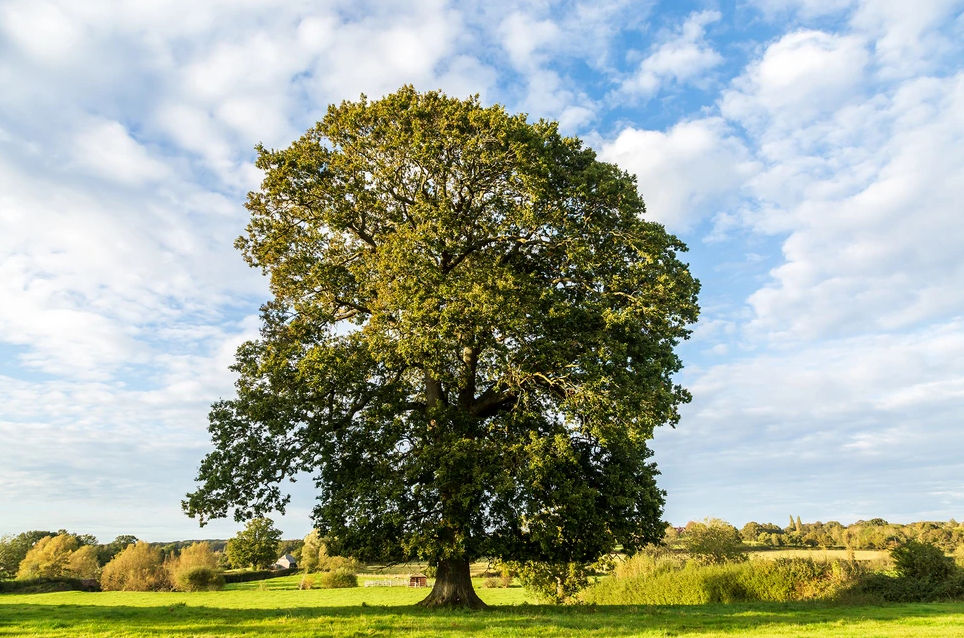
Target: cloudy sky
(810, 152)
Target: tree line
(873, 534)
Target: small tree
(255, 546)
(13, 549)
(195, 569)
(140, 567)
(714, 541)
(49, 558)
(311, 550)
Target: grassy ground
(388, 611)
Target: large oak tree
(470, 341)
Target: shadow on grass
(190, 620)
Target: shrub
(307, 582)
(659, 579)
(491, 583)
(137, 568)
(921, 561)
(199, 578)
(338, 564)
(337, 580)
(184, 570)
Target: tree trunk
(453, 587)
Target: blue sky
(810, 153)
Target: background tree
(470, 341)
(254, 546)
(714, 541)
(48, 558)
(139, 567)
(14, 548)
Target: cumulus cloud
(680, 57)
(685, 172)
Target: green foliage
(470, 341)
(198, 578)
(921, 561)
(140, 567)
(337, 580)
(555, 583)
(662, 579)
(923, 574)
(264, 574)
(195, 569)
(254, 546)
(714, 541)
(13, 549)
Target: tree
(48, 558)
(714, 541)
(83, 562)
(470, 341)
(139, 567)
(255, 546)
(13, 549)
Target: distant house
(286, 562)
(418, 580)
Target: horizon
(808, 152)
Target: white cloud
(802, 76)
(680, 58)
(684, 173)
(106, 149)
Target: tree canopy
(470, 340)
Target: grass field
(822, 554)
(282, 610)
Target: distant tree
(292, 547)
(714, 541)
(48, 558)
(84, 562)
(313, 547)
(255, 546)
(470, 341)
(107, 551)
(798, 528)
(140, 567)
(751, 531)
(14, 548)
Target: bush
(337, 580)
(195, 569)
(921, 561)
(659, 579)
(491, 583)
(924, 574)
(554, 582)
(42, 585)
(199, 578)
(137, 568)
(307, 582)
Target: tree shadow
(525, 620)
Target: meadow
(278, 608)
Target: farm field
(820, 554)
(388, 611)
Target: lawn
(388, 611)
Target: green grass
(244, 611)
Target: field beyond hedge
(388, 612)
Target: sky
(809, 152)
